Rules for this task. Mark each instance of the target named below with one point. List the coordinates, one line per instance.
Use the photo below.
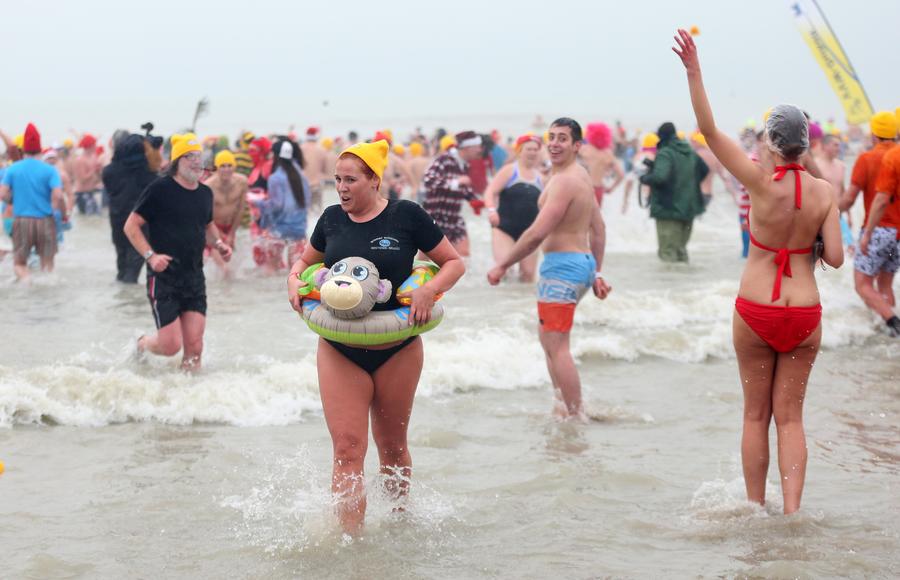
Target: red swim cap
(87, 141)
(32, 141)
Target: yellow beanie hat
(68, 143)
(884, 125)
(327, 143)
(698, 138)
(225, 157)
(680, 134)
(19, 140)
(447, 141)
(650, 141)
(182, 144)
(416, 149)
(399, 149)
(372, 154)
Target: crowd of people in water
(175, 203)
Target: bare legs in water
(774, 385)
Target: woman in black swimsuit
(518, 185)
(356, 383)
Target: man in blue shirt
(34, 188)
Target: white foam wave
(274, 393)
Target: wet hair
(294, 180)
(573, 126)
(787, 132)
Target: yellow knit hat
(884, 125)
(680, 134)
(225, 157)
(447, 141)
(327, 143)
(19, 140)
(416, 149)
(399, 150)
(182, 144)
(650, 141)
(698, 138)
(374, 155)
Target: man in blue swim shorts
(570, 231)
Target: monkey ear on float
(319, 276)
(384, 290)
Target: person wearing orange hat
(315, 169)
(378, 381)
(34, 189)
(86, 169)
(447, 186)
(877, 259)
(177, 211)
(511, 201)
(229, 190)
(569, 229)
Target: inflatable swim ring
(337, 303)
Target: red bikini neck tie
(781, 171)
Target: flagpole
(847, 56)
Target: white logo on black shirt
(385, 243)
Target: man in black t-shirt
(177, 210)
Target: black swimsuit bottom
(367, 359)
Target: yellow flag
(831, 57)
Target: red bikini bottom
(782, 327)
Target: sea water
(118, 466)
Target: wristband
(492, 210)
(149, 254)
(597, 275)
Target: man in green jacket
(675, 197)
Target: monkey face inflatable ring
(338, 303)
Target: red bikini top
(783, 255)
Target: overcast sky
(95, 65)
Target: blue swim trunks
(565, 278)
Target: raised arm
(725, 149)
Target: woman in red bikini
(777, 327)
